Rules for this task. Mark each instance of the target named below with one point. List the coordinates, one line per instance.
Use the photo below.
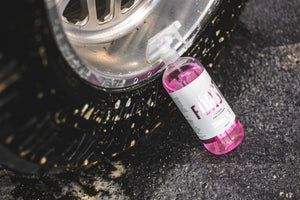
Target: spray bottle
(195, 93)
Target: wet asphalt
(259, 75)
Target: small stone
(43, 160)
(289, 195)
(281, 194)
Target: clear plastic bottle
(202, 104)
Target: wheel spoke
(117, 7)
(92, 12)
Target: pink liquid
(180, 74)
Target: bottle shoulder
(181, 73)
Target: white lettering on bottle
(208, 102)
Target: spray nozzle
(164, 45)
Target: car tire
(51, 119)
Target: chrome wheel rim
(108, 48)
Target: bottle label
(204, 107)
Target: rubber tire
(49, 117)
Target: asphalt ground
(258, 72)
